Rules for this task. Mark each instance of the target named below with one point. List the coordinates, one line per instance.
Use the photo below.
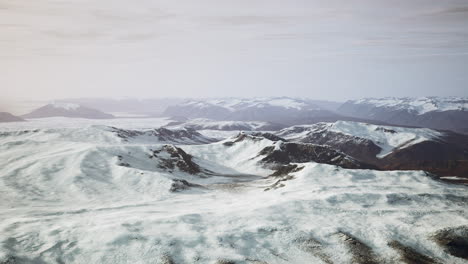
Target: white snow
(65, 199)
(419, 105)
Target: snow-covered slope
(448, 113)
(67, 110)
(85, 195)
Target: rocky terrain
(443, 153)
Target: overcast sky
(332, 49)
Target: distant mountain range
(279, 110)
(446, 113)
(148, 107)
(67, 110)
(272, 113)
(7, 117)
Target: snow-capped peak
(419, 105)
(233, 104)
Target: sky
(329, 50)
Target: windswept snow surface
(419, 105)
(80, 195)
(388, 138)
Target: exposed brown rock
(410, 255)
(453, 240)
(361, 253)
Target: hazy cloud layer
(151, 48)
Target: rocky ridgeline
(164, 135)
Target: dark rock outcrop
(453, 240)
(181, 185)
(298, 153)
(361, 253)
(410, 255)
(178, 159)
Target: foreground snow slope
(71, 199)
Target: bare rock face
(445, 157)
(299, 153)
(361, 253)
(178, 158)
(410, 255)
(453, 240)
(181, 185)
